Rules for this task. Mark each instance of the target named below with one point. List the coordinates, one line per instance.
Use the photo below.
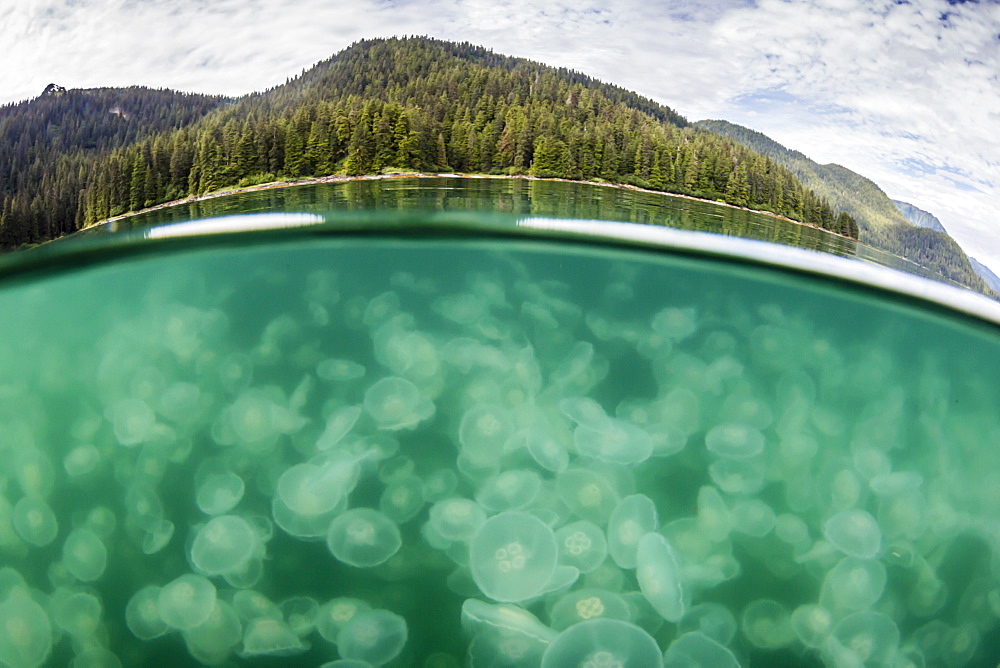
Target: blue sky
(906, 92)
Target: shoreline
(336, 178)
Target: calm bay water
(306, 446)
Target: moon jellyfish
(659, 576)
(483, 433)
(333, 615)
(767, 624)
(853, 584)
(676, 323)
(300, 613)
(503, 634)
(142, 614)
(582, 545)
(439, 485)
(855, 533)
(77, 613)
(271, 637)
(402, 499)
(132, 420)
(224, 545)
(375, 636)
(811, 624)
(95, 656)
(396, 403)
(513, 556)
(618, 442)
(735, 440)
(509, 490)
(363, 537)
(714, 518)
(219, 493)
(585, 412)
(250, 604)
(338, 425)
(753, 517)
(547, 451)
(84, 555)
(588, 494)
(181, 403)
(212, 641)
(738, 476)
(603, 642)
(81, 460)
(711, 619)
(583, 604)
(312, 489)
(186, 602)
(697, 650)
(35, 522)
(864, 638)
(457, 519)
(339, 370)
(25, 631)
(632, 518)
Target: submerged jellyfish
(632, 518)
(132, 420)
(186, 602)
(697, 650)
(583, 604)
(396, 403)
(457, 519)
(224, 545)
(338, 425)
(25, 631)
(509, 490)
(35, 522)
(545, 449)
(735, 440)
(513, 556)
(853, 584)
(855, 533)
(271, 637)
(811, 624)
(659, 576)
(333, 615)
(219, 493)
(483, 433)
(714, 517)
(581, 544)
(212, 641)
(81, 460)
(587, 493)
(84, 555)
(600, 643)
(864, 638)
(767, 624)
(503, 634)
(711, 619)
(78, 614)
(402, 499)
(738, 476)
(676, 323)
(339, 370)
(375, 636)
(142, 614)
(363, 537)
(618, 442)
(313, 489)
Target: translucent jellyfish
(255, 419)
(811, 624)
(35, 522)
(767, 624)
(547, 451)
(142, 614)
(735, 440)
(738, 476)
(855, 533)
(600, 643)
(212, 641)
(186, 602)
(619, 442)
(300, 613)
(84, 555)
(132, 420)
(697, 650)
(81, 460)
(676, 323)
(714, 517)
(338, 425)
(753, 517)
(659, 576)
(157, 536)
(219, 493)
(463, 308)
(791, 529)
(513, 556)
(457, 519)
(853, 584)
(224, 545)
(270, 637)
(585, 412)
(363, 537)
(101, 521)
(503, 634)
(181, 402)
(583, 604)
(588, 494)
(632, 518)
(582, 545)
(580, 370)
(317, 488)
(235, 372)
(333, 615)
(402, 499)
(95, 656)
(77, 613)
(864, 638)
(250, 604)
(339, 370)
(711, 619)
(439, 485)
(483, 433)
(396, 403)
(509, 490)
(375, 636)
(25, 631)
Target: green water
(519, 197)
(411, 451)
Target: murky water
(444, 451)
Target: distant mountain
(919, 217)
(881, 222)
(991, 279)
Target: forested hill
(412, 104)
(881, 222)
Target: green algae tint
(325, 447)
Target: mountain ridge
(919, 217)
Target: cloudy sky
(906, 92)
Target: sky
(905, 92)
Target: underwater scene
(367, 450)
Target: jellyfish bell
(224, 545)
(583, 604)
(84, 555)
(698, 650)
(619, 442)
(864, 638)
(81, 460)
(338, 425)
(855, 533)
(457, 519)
(853, 585)
(186, 601)
(603, 642)
(219, 493)
(142, 614)
(396, 403)
(581, 544)
(711, 619)
(132, 420)
(767, 624)
(503, 634)
(509, 490)
(25, 630)
(513, 556)
(632, 518)
(363, 537)
(337, 370)
(588, 494)
(34, 521)
(333, 615)
(483, 433)
(270, 637)
(213, 641)
(77, 613)
(375, 636)
(659, 574)
(735, 440)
